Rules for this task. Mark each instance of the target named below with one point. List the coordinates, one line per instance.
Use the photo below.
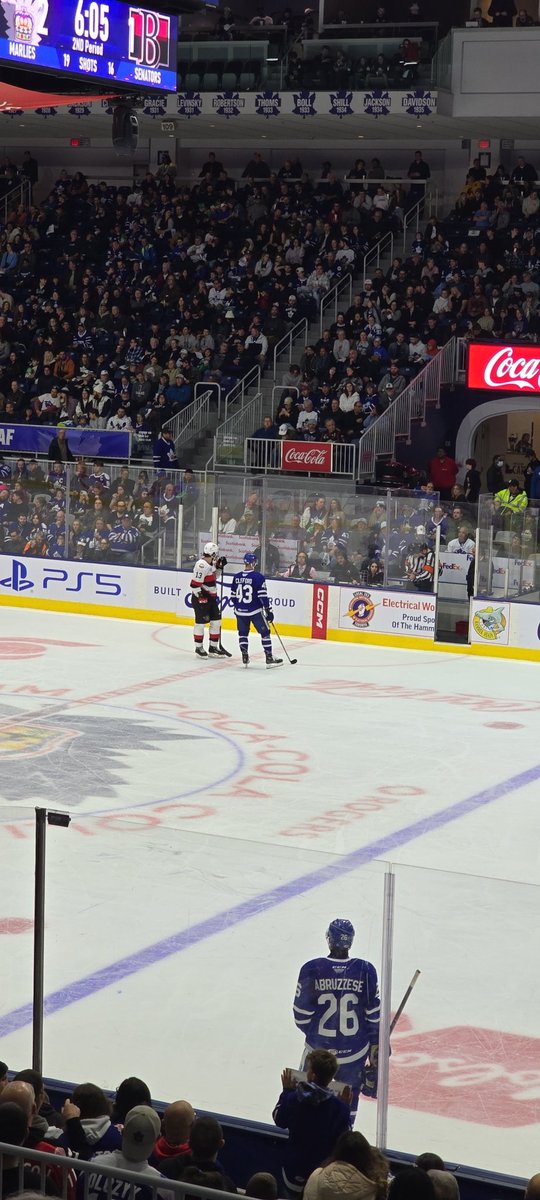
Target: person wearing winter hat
(139, 1136)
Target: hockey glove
(269, 616)
(369, 1082)
(202, 599)
(221, 562)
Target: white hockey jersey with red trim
(203, 579)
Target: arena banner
(307, 456)
(370, 610)
(86, 443)
(498, 367)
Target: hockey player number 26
(347, 1020)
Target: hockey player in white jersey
(205, 601)
(337, 1008)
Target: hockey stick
(225, 652)
(293, 661)
(401, 1006)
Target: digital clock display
(134, 47)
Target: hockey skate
(245, 658)
(213, 650)
(273, 662)
(200, 650)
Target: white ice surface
(197, 789)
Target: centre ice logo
(268, 104)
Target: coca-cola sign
(310, 456)
(497, 367)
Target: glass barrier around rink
(464, 1072)
(509, 551)
(213, 951)
(112, 513)
(457, 522)
(17, 854)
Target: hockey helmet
(250, 559)
(210, 549)
(340, 933)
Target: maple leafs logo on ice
(341, 104)
(268, 104)
(228, 104)
(377, 103)
(304, 104)
(189, 104)
(419, 103)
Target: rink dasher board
(311, 609)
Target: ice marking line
(105, 977)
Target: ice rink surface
(222, 817)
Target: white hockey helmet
(210, 550)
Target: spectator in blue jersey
(252, 607)
(337, 1007)
(124, 540)
(88, 1126)
(165, 451)
(314, 1116)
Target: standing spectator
(495, 475)
(502, 13)
(523, 172)
(165, 451)
(472, 482)
(313, 1115)
(418, 171)
(442, 473)
(59, 450)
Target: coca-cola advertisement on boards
(500, 367)
(306, 456)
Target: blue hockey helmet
(250, 559)
(340, 933)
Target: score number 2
(97, 16)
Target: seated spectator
(429, 1162)
(340, 570)
(88, 1126)
(176, 1127)
(463, 543)
(411, 1184)
(205, 1142)
(267, 429)
(313, 1115)
(445, 1185)
(131, 1091)
(262, 1186)
(139, 1135)
(13, 1130)
(354, 1169)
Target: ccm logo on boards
(319, 613)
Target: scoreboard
(114, 42)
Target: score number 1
(93, 21)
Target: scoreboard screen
(114, 42)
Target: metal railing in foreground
(85, 1177)
(410, 405)
(237, 394)
(17, 197)
(231, 434)
(277, 454)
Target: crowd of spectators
(322, 1158)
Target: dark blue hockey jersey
(249, 594)
(337, 1006)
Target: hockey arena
(221, 816)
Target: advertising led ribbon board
(498, 367)
(110, 41)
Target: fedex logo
(67, 579)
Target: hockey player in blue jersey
(337, 1008)
(252, 607)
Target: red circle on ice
(20, 648)
(15, 925)
(503, 725)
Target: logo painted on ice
(341, 104)
(377, 103)
(304, 104)
(228, 104)
(189, 104)
(419, 103)
(268, 104)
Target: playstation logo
(18, 580)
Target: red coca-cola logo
(296, 456)
(471, 1074)
(504, 367)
